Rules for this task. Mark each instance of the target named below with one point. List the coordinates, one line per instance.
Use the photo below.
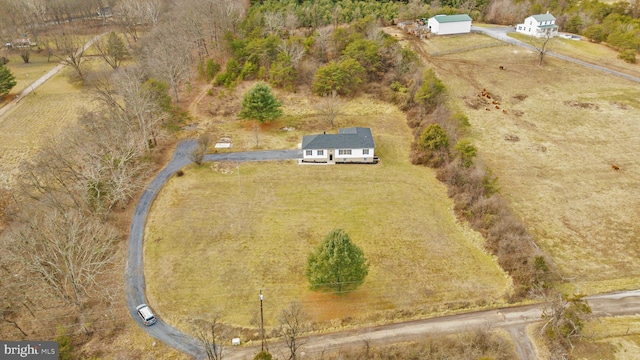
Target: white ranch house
(541, 25)
(450, 24)
(349, 145)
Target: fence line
(465, 49)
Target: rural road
(41, 80)
(514, 320)
(501, 32)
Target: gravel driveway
(135, 286)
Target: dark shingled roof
(347, 138)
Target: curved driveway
(135, 287)
(500, 33)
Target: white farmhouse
(349, 145)
(450, 24)
(541, 25)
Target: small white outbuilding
(450, 24)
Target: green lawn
(215, 237)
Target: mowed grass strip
(553, 144)
(214, 238)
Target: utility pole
(261, 319)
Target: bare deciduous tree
(273, 21)
(12, 288)
(131, 99)
(92, 168)
(142, 109)
(197, 154)
(131, 15)
(71, 52)
(66, 250)
(294, 48)
(168, 57)
(211, 337)
(292, 326)
(152, 10)
(330, 107)
(542, 46)
(113, 160)
(291, 21)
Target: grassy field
(25, 74)
(38, 116)
(553, 144)
(610, 338)
(586, 51)
(219, 234)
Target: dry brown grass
(480, 344)
(26, 74)
(573, 126)
(214, 238)
(610, 338)
(38, 116)
(584, 50)
(437, 44)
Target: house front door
(330, 157)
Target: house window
(320, 152)
(365, 151)
(344, 152)
(309, 152)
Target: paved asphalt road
(514, 320)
